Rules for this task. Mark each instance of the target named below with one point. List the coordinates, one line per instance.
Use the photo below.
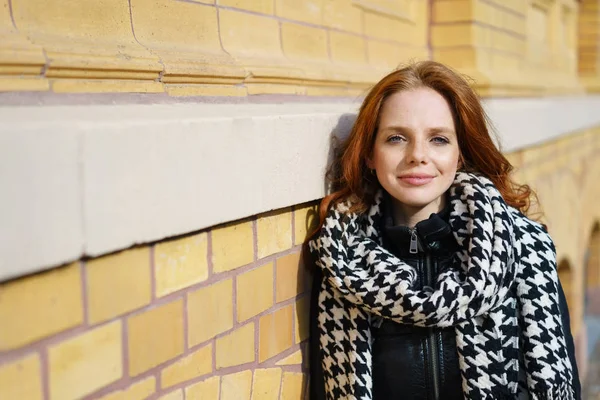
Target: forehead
(416, 108)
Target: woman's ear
(370, 163)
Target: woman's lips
(416, 180)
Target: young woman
(431, 283)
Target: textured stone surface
(85, 363)
(209, 311)
(180, 263)
(125, 275)
(38, 306)
(159, 329)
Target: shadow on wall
(307, 262)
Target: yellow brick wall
(309, 47)
(219, 314)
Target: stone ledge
(91, 179)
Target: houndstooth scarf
(501, 295)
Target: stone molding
(89, 180)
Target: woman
(430, 282)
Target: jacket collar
(434, 234)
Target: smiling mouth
(416, 180)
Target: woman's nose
(417, 152)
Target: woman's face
(416, 151)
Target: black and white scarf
(501, 295)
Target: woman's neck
(410, 216)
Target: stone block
(266, 384)
(310, 11)
(155, 336)
(22, 379)
(180, 263)
(125, 276)
(206, 390)
(189, 367)
(304, 43)
(236, 348)
(347, 48)
(254, 292)
(209, 311)
(232, 246)
(86, 39)
(83, 364)
(275, 333)
(139, 390)
(291, 277)
(41, 305)
(185, 36)
(236, 386)
(274, 232)
(292, 387)
(306, 219)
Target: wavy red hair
(349, 174)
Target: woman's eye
(440, 140)
(395, 139)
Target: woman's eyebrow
(400, 128)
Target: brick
(185, 36)
(209, 311)
(301, 321)
(21, 379)
(342, 14)
(304, 43)
(383, 54)
(310, 11)
(347, 48)
(192, 366)
(306, 219)
(452, 11)
(291, 277)
(266, 384)
(259, 6)
(137, 391)
(460, 34)
(292, 386)
(205, 390)
(40, 305)
(254, 291)
(84, 39)
(85, 363)
(159, 329)
(240, 38)
(174, 395)
(236, 386)
(378, 26)
(236, 348)
(180, 263)
(232, 246)
(275, 333)
(125, 275)
(293, 359)
(274, 231)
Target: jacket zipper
(414, 244)
(431, 339)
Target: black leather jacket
(413, 363)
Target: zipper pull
(414, 247)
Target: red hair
(349, 174)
